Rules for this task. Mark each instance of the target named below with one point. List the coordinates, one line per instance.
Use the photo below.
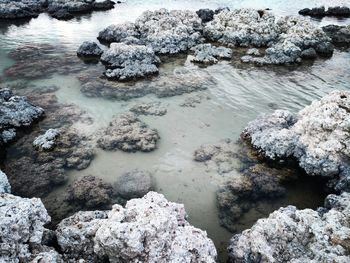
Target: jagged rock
(22, 224)
(116, 33)
(51, 256)
(206, 15)
(90, 192)
(125, 62)
(47, 141)
(152, 108)
(292, 235)
(208, 54)
(134, 184)
(253, 52)
(10, 9)
(338, 34)
(316, 137)
(89, 48)
(5, 186)
(151, 229)
(75, 235)
(16, 113)
(127, 133)
(338, 11)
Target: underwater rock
(193, 101)
(206, 15)
(90, 192)
(208, 54)
(128, 133)
(152, 108)
(337, 11)
(5, 186)
(289, 234)
(47, 141)
(88, 49)
(16, 113)
(10, 9)
(133, 184)
(316, 137)
(340, 35)
(22, 223)
(126, 62)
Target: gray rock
(316, 12)
(194, 100)
(116, 33)
(51, 256)
(125, 62)
(337, 11)
(340, 35)
(206, 15)
(292, 235)
(127, 133)
(22, 225)
(88, 49)
(5, 186)
(253, 52)
(309, 53)
(10, 9)
(47, 141)
(152, 108)
(208, 54)
(134, 184)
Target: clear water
(238, 96)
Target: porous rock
(208, 54)
(340, 35)
(152, 108)
(88, 49)
(5, 186)
(47, 141)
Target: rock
(75, 235)
(253, 52)
(340, 35)
(88, 49)
(317, 11)
(208, 54)
(62, 14)
(206, 15)
(51, 256)
(309, 53)
(116, 33)
(127, 133)
(16, 113)
(22, 224)
(103, 5)
(151, 229)
(10, 9)
(192, 101)
(325, 49)
(338, 11)
(5, 186)
(126, 62)
(152, 108)
(47, 141)
(289, 234)
(90, 192)
(316, 137)
(134, 184)
(222, 9)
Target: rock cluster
(339, 11)
(128, 133)
(317, 137)
(16, 113)
(340, 35)
(292, 235)
(152, 108)
(47, 141)
(126, 62)
(89, 49)
(208, 54)
(10, 9)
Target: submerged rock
(340, 35)
(317, 137)
(127, 133)
(134, 184)
(126, 62)
(152, 108)
(16, 113)
(192, 101)
(47, 141)
(22, 225)
(208, 54)
(5, 186)
(88, 49)
(289, 234)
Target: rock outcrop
(340, 35)
(208, 54)
(127, 133)
(10, 9)
(47, 141)
(292, 235)
(89, 49)
(317, 137)
(337, 11)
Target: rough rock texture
(75, 235)
(10, 9)
(194, 100)
(133, 184)
(166, 32)
(151, 229)
(5, 186)
(152, 108)
(88, 49)
(206, 15)
(16, 112)
(292, 235)
(126, 62)
(127, 133)
(47, 141)
(50, 256)
(338, 11)
(317, 137)
(22, 226)
(90, 192)
(208, 54)
(340, 35)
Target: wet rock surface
(340, 35)
(47, 141)
(5, 186)
(10, 9)
(337, 11)
(289, 234)
(89, 49)
(208, 54)
(316, 137)
(152, 108)
(128, 133)
(194, 100)
(206, 15)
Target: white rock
(46, 141)
(5, 186)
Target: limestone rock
(152, 108)
(208, 54)
(47, 141)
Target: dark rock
(309, 53)
(339, 34)
(325, 49)
(317, 11)
(88, 49)
(62, 14)
(206, 15)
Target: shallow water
(238, 95)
